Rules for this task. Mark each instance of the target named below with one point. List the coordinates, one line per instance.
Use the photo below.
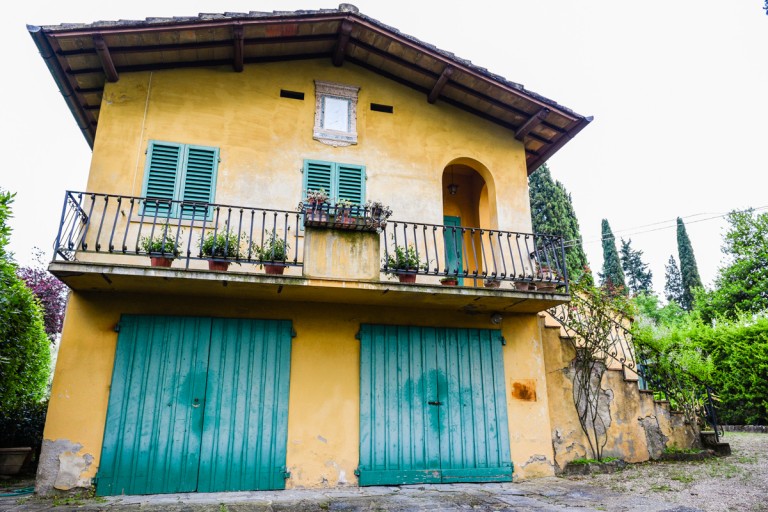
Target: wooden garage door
(197, 404)
(432, 406)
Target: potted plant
(219, 246)
(163, 248)
(449, 281)
(314, 211)
(522, 286)
(274, 251)
(404, 263)
(547, 277)
(492, 283)
(344, 212)
(377, 214)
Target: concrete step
(709, 440)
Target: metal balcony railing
(125, 225)
(94, 224)
(531, 261)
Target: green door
(454, 261)
(196, 404)
(246, 414)
(432, 406)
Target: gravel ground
(738, 482)
(735, 483)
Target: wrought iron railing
(95, 224)
(126, 225)
(671, 382)
(531, 261)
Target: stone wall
(638, 428)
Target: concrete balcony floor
(234, 284)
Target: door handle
(435, 403)
(196, 403)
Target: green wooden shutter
(351, 183)
(199, 182)
(161, 178)
(318, 175)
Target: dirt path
(735, 483)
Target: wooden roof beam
(341, 43)
(532, 122)
(102, 50)
(440, 84)
(238, 46)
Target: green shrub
(25, 354)
(23, 425)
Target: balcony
(314, 254)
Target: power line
(572, 243)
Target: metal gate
(432, 406)
(197, 404)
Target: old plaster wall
(323, 409)
(264, 139)
(638, 427)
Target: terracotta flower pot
(274, 269)
(220, 266)
(522, 286)
(160, 261)
(449, 282)
(407, 278)
(545, 287)
(492, 284)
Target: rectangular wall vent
(294, 95)
(376, 107)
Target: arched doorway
(466, 204)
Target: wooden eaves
(82, 58)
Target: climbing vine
(594, 318)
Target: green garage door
(432, 406)
(197, 404)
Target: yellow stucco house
(264, 189)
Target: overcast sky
(678, 89)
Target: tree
(742, 284)
(552, 213)
(612, 277)
(673, 287)
(24, 347)
(51, 293)
(639, 277)
(688, 268)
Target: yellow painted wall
(264, 138)
(323, 416)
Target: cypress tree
(688, 269)
(552, 213)
(673, 286)
(639, 277)
(612, 277)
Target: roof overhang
(82, 58)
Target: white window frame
(343, 92)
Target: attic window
(335, 113)
(294, 95)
